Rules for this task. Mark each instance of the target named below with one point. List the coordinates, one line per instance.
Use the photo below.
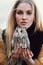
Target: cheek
(31, 18)
(30, 21)
(18, 18)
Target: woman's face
(24, 15)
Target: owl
(20, 39)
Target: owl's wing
(28, 43)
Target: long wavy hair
(12, 21)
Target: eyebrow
(22, 10)
(29, 10)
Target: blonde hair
(11, 22)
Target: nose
(24, 16)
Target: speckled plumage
(20, 39)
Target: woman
(25, 14)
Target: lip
(23, 23)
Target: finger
(25, 55)
(17, 52)
(30, 53)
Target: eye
(21, 31)
(19, 12)
(29, 12)
(16, 30)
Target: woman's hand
(27, 56)
(14, 56)
(22, 53)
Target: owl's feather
(20, 39)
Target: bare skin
(25, 15)
(23, 53)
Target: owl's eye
(21, 31)
(16, 30)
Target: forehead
(24, 6)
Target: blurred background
(6, 6)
